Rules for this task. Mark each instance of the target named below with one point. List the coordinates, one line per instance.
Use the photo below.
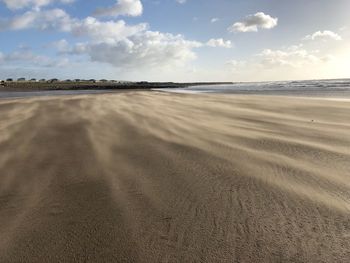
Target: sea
(337, 88)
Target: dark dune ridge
(157, 177)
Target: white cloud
(214, 20)
(19, 4)
(181, 1)
(236, 65)
(252, 23)
(294, 56)
(59, 20)
(122, 8)
(324, 35)
(105, 31)
(290, 57)
(143, 49)
(293, 62)
(25, 56)
(219, 43)
(61, 45)
(44, 20)
(112, 42)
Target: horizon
(134, 81)
(225, 41)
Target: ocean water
(338, 88)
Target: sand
(157, 177)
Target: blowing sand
(156, 177)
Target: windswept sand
(156, 177)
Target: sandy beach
(158, 177)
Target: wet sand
(158, 177)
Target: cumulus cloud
(214, 20)
(323, 35)
(19, 4)
(59, 20)
(122, 8)
(219, 43)
(112, 42)
(49, 19)
(296, 61)
(25, 56)
(181, 1)
(146, 49)
(236, 65)
(252, 23)
(62, 46)
(293, 56)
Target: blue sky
(174, 40)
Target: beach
(157, 177)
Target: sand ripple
(156, 177)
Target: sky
(175, 40)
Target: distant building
(42, 80)
(33, 80)
(21, 79)
(9, 80)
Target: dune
(158, 177)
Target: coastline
(154, 176)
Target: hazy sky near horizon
(175, 40)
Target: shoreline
(21, 94)
(61, 85)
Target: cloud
(43, 20)
(122, 8)
(323, 35)
(236, 64)
(214, 20)
(144, 49)
(62, 46)
(112, 42)
(19, 4)
(25, 55)
(59, 20)
(181, 1)
(219, 43)
(293, 56)
(252, 23)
